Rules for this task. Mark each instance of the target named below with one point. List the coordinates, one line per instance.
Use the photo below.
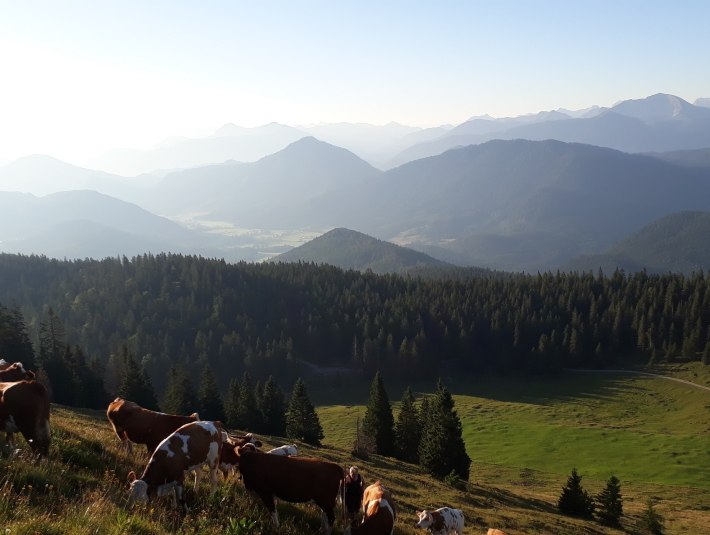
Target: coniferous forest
(267, 319)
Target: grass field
(523, 435)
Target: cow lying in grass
(288, 450)
(443, 521)
(186, 450)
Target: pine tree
(248, 415)
(301, 419)
(651, 522)
(609, 506)
(407, 430)
(378, 421)
(273, 409)
(574, 500)
(179, 396)
(231, 404)
(208, 396)
(442, 448)
(135, 385)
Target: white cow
(289, 450)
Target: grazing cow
(494, 531)
(186, 450)
(229, 460)
(24, 408)
(15, 372)
(379, 519)
(133, 423)
(443, 521)
(289, 450)
(291, 479)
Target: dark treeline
(264, 318)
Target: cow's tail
(342, 494)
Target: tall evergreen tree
(609, 505)
(302, 422)
(231, 404)
(179, 396)
(208, 396)
(442, 448)
(651, 522)
(407, 430)
(273, 409)
(574, 500)
(135, 385)
(248, 414)
(378, 421)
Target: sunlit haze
(79, 77)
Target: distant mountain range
(79, 224)
(349, 249)
(506, 204)
(678, 242)
(657, 123)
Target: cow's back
(28, 404)
(294, 479)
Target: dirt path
(633, 372)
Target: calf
(229, 460)
(379, 519)
(133, 423)
(443, 521)
(24, 408)
(186, 450)
(289, 450)
(291, 479)
(15, 372)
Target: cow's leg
(180, 494)
(327, 518)
(198, 475)
(214, 480)
(270, 504)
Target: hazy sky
(79, 77)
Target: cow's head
(425, 519)
(138, 491)
(16, 372)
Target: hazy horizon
(84, 78)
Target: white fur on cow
(288, 450)
(291, 479)
(186, 450)
(443, 521)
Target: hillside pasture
(82, 487)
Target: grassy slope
(509, 425)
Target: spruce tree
(407, 430)
(609, 506)
(442, 448)
(208, 396)
(378, 421)
(179, 396)
(135, 384)
(273, 409)
(651, 522)
(301, 419)
(231, 404)
(574, 500)
(248, 416)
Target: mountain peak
(656, 108)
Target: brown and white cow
(443, 521)
(133, 423)
(379, 519)
(289, 450)
(229, 460)
(291, 479)
(15, 372)
(374, 492)
(494, 531)
(185, 450)
(24, 408)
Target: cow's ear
(131, 476)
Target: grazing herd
(182, 446)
